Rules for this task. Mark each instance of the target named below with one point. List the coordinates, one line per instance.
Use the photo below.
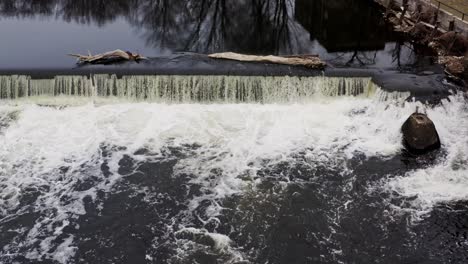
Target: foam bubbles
(447, 180)
(50, 150)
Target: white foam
(235, 139)
(222, 245)
(64, 251)
(447, 180)
(221, 242)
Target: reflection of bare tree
(81, 11)
(280, 21)
(162, 21)
(396, 54)
(260, 26)
(95, 11)
(279, 32)
(356, 57)
(363, 58)
(27, 8)
(401, 58)
(400, 53)
(249, 26)
(210, 31)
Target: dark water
(245, 183)
(320, 216)
(38, 34)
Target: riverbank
(443, 15)
(435, 30)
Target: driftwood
(309, 61)
(108, 57)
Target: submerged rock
(419, 134)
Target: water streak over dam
(190, 89)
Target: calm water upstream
(219, 169)
(38, 34)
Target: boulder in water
(419, 134)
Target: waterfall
(189, 89)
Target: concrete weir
(108, 78)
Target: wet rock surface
(419, 134)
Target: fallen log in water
(309, 61)
(108, 57)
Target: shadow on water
(350, 32)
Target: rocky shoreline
(423, 25)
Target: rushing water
(189, 89)
(110, 178)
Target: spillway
(192, 89)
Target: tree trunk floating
(419, 134)
(309, 61)
(110, 57)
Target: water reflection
(215, 25)
(24, 8)
(327, 27)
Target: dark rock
(419, 134)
